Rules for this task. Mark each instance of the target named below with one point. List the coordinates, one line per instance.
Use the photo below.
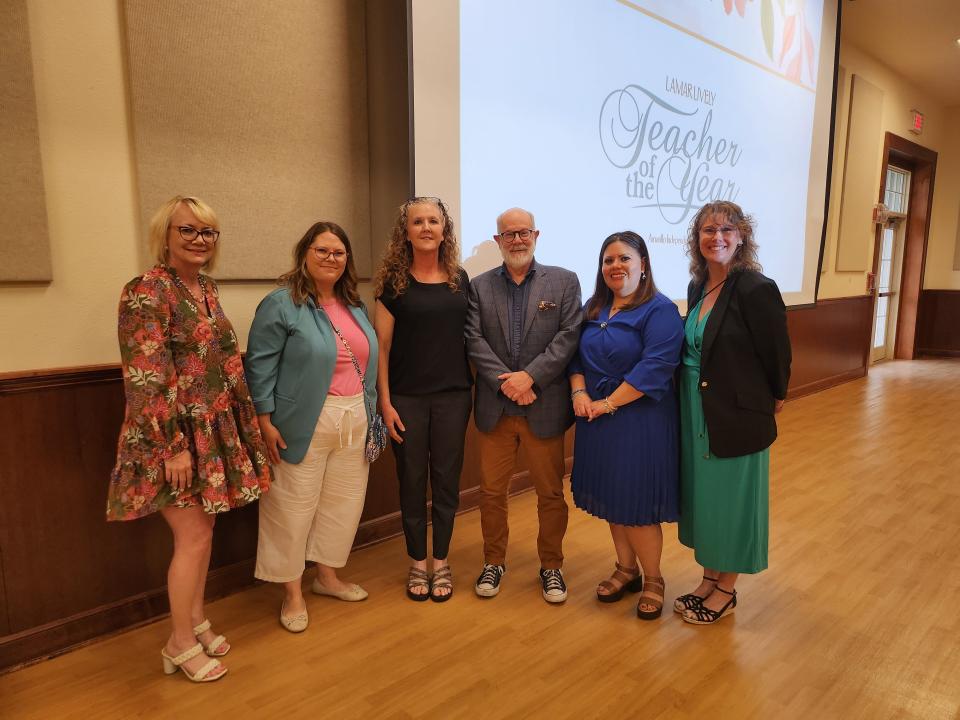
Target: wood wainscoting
(68, 576)
(938, 328)
(831, 343)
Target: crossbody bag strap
(353, 358)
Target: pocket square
(546, 305)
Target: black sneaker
(554, 588)
(488, 584)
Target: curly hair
(397, 257)
(745, 257)
(646, 289)
(298, 280)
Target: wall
(92, 206)
(941, 270)
(941, 134)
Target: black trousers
(432, 448)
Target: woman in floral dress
(189, 446)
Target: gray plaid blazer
(551, 335)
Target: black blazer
(745, 363)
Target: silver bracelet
(576, 392)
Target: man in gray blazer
(523, 327)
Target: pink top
(345, 380)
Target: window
(897, 189)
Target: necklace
(203, 290)
(704, 296)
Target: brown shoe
(652, 596)
(417, 578)
(442, 578)
(624, 579)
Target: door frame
(922, 164)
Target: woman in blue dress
(625, 467)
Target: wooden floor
(858, 616)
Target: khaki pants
(498, 455)
(313, 507)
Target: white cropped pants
(312, 509)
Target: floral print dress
(185, 390)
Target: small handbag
(376, 429)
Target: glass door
(888, 285)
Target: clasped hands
(518, 386)
(583, 406)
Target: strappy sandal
(653, 588)
(702, 615)
(211, 647)
(623, 580)
(442, 578)
(690, 600)
(171, 664)
(417, 578)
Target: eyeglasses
(190, 234)
(710, 230)
(322, 254)
(512, 235)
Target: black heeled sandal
(701, 615)
(690, 600)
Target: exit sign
(916, 123)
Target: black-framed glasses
(323, 253)
(512, 235)
(209, 235)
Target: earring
(643, 275)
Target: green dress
(724, 502)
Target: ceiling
(915, 38)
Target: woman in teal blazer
(312, 369)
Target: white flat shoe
(294, 623)
(354, 594)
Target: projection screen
(607, 115)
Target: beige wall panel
(24, 239)
(836, 182)
(956, 251)
(388, 87)
(861, 176)
(258, 107)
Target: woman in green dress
(733, 380)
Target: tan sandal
(172, 664)
(623, 580)
(442, 578)
(417, 578)
(214, 645)
(652, 595)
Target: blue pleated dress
(626, 465)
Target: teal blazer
(291, 355)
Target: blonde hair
(395, 264)
(160, 226)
